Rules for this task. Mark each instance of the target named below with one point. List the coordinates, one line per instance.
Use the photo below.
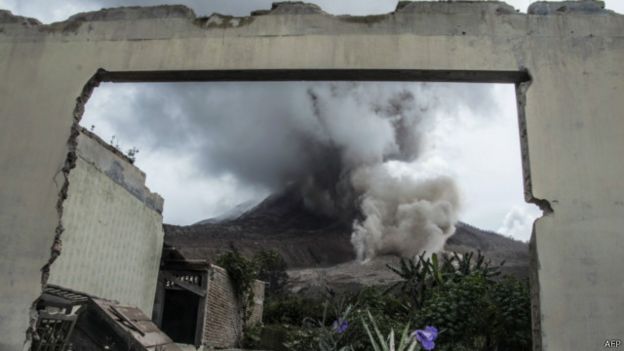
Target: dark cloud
(330, 142)
(276, 133)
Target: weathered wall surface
(113, 229)
(257, 309)
(573, 121)
(223, 324)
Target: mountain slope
(307, 240)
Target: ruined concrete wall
(113, 229)
(573, 130)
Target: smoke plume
(399, 215)
(338, 144)
(402, 215)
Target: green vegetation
(463, 297)
(272, 270)
(242, 274)
(267, 265)
(381, 343)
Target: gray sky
(482, 153)
(207, 147)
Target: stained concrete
(113, 233)
(571, 121)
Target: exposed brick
(223, 323)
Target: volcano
(281, 222)
(308, 240)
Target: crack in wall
(543, 204)
(534, 291)
(69, 164)
(521, 89)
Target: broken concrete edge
(291, 8)
(135, 186)
(534, 292)
(106, 145)
(124, 13)
(134, 13)
(545, 8)
(217, 20)
(8, 17)
(69, 164)
(427, 7)
(455, 7)
(521, 90)
(543, 204)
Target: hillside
(318, 245)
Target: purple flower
(426, 337)
(340, 326)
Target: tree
(271, 268)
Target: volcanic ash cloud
(336, 143)
(402, 215)
(370, 130)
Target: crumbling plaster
(573, 120)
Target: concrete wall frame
(571, 121)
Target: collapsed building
(113, 234)
(196, 304)
(112, 289)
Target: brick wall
(223, 323)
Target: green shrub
(242, 273)
(271, 268)
(461, 309)
(513, 323)
(379, 342)
(252, 336)
(379, 301)
(326, 333)
(422, 275)
(301, 338)
(309, 319)
(389, 311)
(292, 310)
(460, 295)
(479, 314)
